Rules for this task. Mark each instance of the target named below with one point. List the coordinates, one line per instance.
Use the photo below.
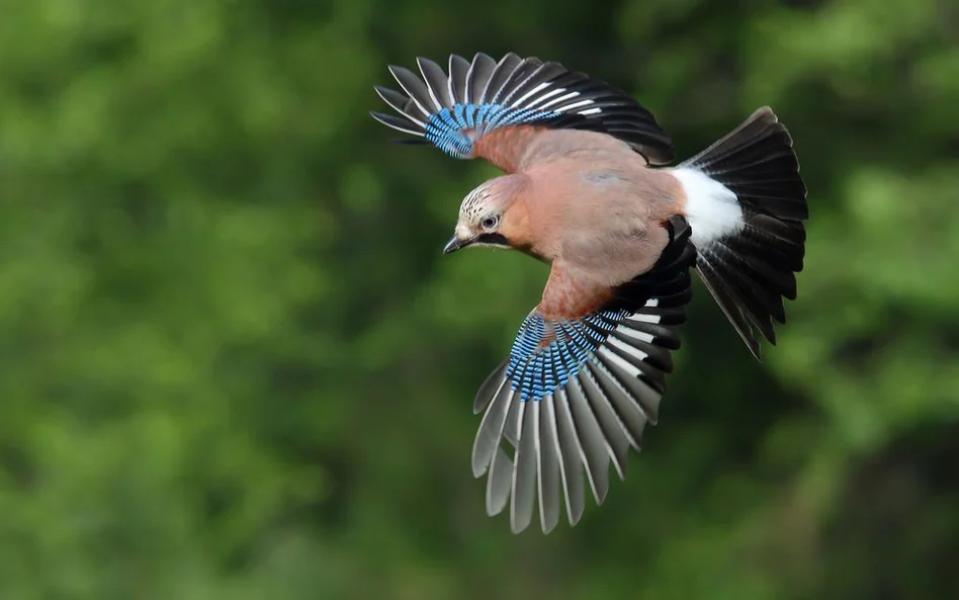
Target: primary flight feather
(582, 193)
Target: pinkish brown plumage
(586, 203)
(582, 192)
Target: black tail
(749, 271)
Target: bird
(587, 188)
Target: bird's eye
(489, 222)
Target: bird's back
(595, 206)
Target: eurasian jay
(581, 193)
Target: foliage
(235, 364)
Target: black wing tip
(399, 123)
(382, 90)
(764, 113)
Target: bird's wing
(575, 395)
(453, 111)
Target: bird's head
(491, 215)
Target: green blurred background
(235, 364)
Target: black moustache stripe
(492, 238)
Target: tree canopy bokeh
(235, 364)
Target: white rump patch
(712, 209)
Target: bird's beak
(456, 243)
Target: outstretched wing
(575, 395)
(453, 111)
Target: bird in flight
(586, 190)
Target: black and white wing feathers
(453, 109)
(575, 396)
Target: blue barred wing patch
(453, 130)
(546, 355)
